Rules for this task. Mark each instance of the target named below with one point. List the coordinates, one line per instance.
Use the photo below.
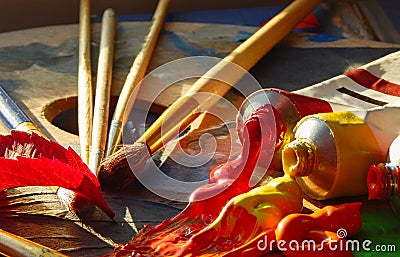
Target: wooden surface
(46, 61)
(38, 215)
(38, 67)
(379, 23)
(246, 55)
(37, 13)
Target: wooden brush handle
(85, 91)
(135, 75)
(245, 55)
(141, 61)
(13, 245)
(103, 87)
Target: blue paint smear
(242, 36)
(121, 29)
(186, 47)
(62, 58)
(324, 38)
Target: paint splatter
(323, 38)
(62, 58)
(188, 48)
(242, 36)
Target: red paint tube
(383, 179)
(287, 109)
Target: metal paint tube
(331, 155)
(288, 109)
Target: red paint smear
(170, 236)
(27, 159)
(260, 131)
(320, 226)
(368, 80)
(310, 21)
(188, 233)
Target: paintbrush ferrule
(10, 114)
(114, 138)
(29, 126)
(95, 160)
(13, 117)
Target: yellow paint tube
(331, 155)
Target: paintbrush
(103, 86)
(15, 118)
(85, 94)
(72, 200)
(135, 75)
(16, 246)
(183, 111)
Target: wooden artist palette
(38, 68)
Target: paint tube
(288, 108)
(383, 179)
(332, 152)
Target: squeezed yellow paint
(268, 204)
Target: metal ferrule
(95, 160)
(114, 137)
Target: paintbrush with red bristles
(15, 119)
(115, 171)
(85, 116)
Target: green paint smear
(382, 228)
